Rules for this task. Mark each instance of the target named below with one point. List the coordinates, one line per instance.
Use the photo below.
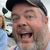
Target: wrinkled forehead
(25, 7)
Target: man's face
(29, 27)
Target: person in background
(3, 34)
(30, 24)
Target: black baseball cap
(11, 3)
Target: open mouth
(26, 35)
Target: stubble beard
(37, 44)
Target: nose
(22, 23)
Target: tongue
(26, 36)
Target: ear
(46, 22)
(49, 36)
(46, 19)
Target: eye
(15, 18)
(29, 17)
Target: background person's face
(1, 21)
(28, 27)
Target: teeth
(24, 33)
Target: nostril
(24, 25)
(21, 25)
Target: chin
(27, 46)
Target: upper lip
(24, 30)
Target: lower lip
(26, 40)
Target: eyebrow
(29, 11)
(24, 12)
(13, 14)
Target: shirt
(48, 47)
(3, 39)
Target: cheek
(14, 26)
(36, 25)
(15, 32)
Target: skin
(28, 19)
(1, 22)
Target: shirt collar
(48, 47)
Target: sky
(45, 2)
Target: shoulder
(3, 36)
(2, 31)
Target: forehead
(23, 4)
(23, 7)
